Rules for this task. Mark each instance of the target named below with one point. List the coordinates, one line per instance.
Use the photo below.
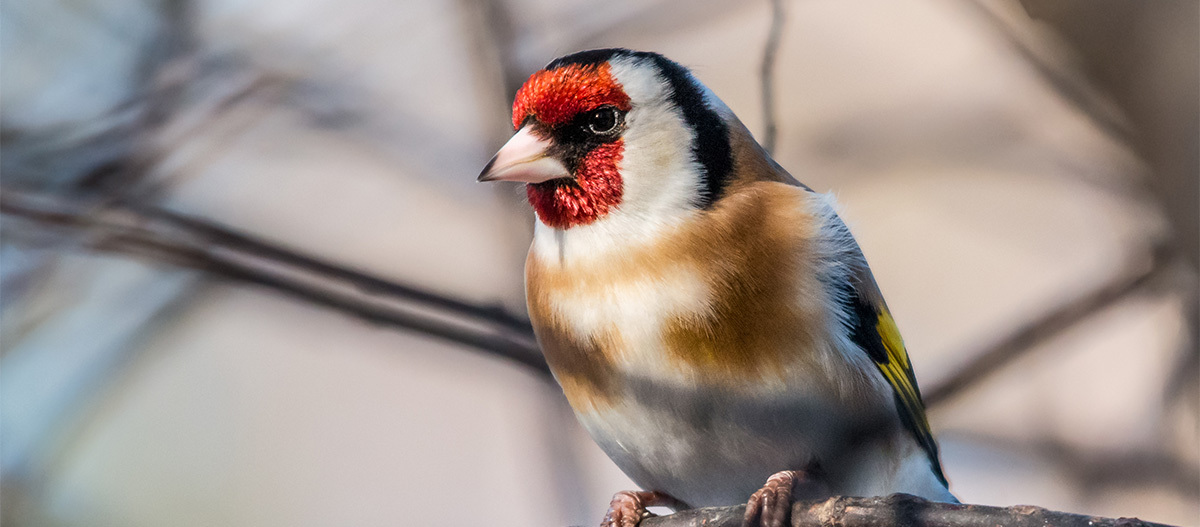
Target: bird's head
(613, 132)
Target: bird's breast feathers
(736, 298)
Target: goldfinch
(711, 321)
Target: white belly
(713, 449)
(708, 449)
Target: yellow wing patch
(898, 371)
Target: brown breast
(761, 313)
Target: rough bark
(900, 510)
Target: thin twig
(195, 243)
(166, 236)
(1096, 470)
(767, 75)
(1027, 337)
(162, 80)
(898, 510)
(493, 35)
(1074, 90)
(198, 244)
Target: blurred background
(248, 277)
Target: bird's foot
(771, 506)
(628, 507)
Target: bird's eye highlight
(603, 120)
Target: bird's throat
(595, 190)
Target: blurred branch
(895, 510)
(162, 83)
(492, 35)
(161, 140)
(194, 243)
(1123, 470)
(1074, 89)
(500, 29)
(1027, 337)
(1146, 55)
(767, 75)
(1093, 470)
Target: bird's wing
(874, 330)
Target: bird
(711, 320)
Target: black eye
(603, 120)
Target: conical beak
(524, 158)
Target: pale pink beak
(524, 158)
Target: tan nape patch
(751, 163)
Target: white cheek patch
(659, 173)
(658, 170)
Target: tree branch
(899, 510)
(767, 75)
(1025, 338)
(1094, 470)
(1072, 88)
(190, 242)
(197, 244)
